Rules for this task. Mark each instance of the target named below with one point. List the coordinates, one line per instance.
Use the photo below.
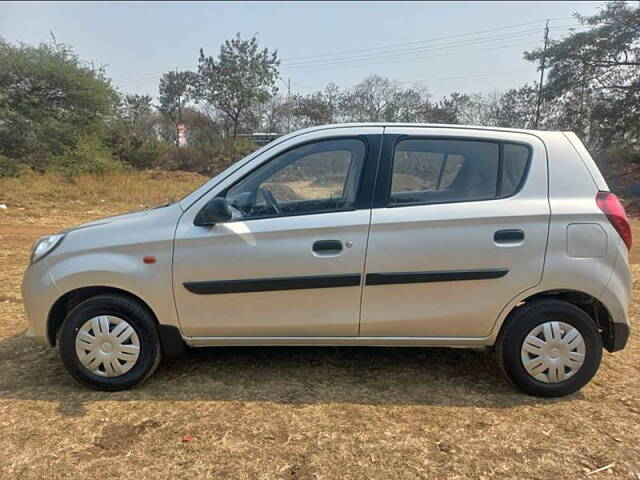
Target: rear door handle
(508, 236)
(327, 247)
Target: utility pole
(288, 102)
(544, 57)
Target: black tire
(133, 313)
(527, 317)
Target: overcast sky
(448, 46)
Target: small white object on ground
(606, 467)
(3, 206)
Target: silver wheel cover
(107, 346)
(553, 352)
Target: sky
(445, 46)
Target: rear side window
(441, 171)
(515, 159)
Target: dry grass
(120, 189)
(287, 412)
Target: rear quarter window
(427, 171)
(515, 159)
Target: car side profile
(358, 234)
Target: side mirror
(215, 211)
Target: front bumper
(39, 293)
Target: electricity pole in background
(288, 101)
(544, 57)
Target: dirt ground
(297, 413)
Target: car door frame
(373, 137)
(534, 186)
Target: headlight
(45, 245)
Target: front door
(290, 261)
(459, 228)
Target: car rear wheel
(109, 342)
(549, 348)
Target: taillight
(614, 211)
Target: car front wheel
(109, 342)
(549, 348)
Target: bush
(186, 158)
(48, 98)
(225, 155)
(207, 159)
(9, 167)
(148, 154)
(89, 155)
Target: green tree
(241, 77)
(378, 99)
(49, 99)
(176, 91)
(370, 100)
(133, 133)
(595, 76)
(135, 108)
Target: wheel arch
(594, 308)
(170, 336)
(71, 299)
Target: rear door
(459, 227)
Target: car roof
(422, 125)
(543, 135)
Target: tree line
(60, 113)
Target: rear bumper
(616, 298)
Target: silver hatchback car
(371, 235)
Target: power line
(519, 35)
(315, 67)
(459, 77)
(408, 56)
(471, 41)
(293, 59)
(421, 57)
(412, 50)
(428, 40)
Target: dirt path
(301, 413)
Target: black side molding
(427, 277)
(272, 284)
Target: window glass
(514, 165)
(435, 171)
(313, 178)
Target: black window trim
(383, 185)
(365, 190)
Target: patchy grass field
(291, 413)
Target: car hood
(124, 217)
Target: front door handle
(327, 247)
(508, 236)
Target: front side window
(442, 171)
(313, 178)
